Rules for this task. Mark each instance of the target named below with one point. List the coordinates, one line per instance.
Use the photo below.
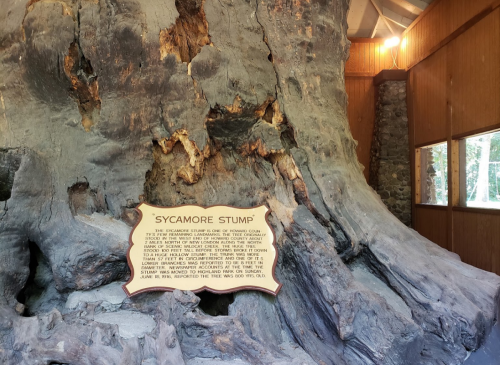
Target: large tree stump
(106, 103)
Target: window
(432, 174)
(480, 179)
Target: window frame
(459, 173)
(419, 172)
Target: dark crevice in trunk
(84, 86)
(30, 287)
(270, 56)
(85, 200)
(215, 304)
(39, 294)
(35, 285)
(311, 314)
(9, 164)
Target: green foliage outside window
(483, 170)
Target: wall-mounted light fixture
(393, 43)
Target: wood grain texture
(367, 57)
(474, 59)
(361, 115)
(431, 223)
(454, 93)
(439, 25)
(428, 86)
(477, 239)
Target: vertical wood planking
(361, 115)
(475, 70)
(371, 53)
(453, 53)
(476, 239)
(433, 26)
(431, 223)
(429, 99)
(368, 57)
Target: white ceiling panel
(362, 17)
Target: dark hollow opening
(37, 295)
(215, 304)
(9, 164)
(30, 287)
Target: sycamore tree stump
(107, 103)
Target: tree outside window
(434, 174)
(483, 170)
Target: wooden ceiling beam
(382, 16)
(374, 31)
(397, 18)
(418, 4)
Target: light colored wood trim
(432, 206)
(476, 132)
(422, 172)
(455, 172)
(374, 31)
(477, 210)
(418, 176)
(431, 143)
(382, 16)
(462, 173)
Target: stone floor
(489, 353)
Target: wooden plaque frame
(203, 281)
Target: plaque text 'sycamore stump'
(219, 248)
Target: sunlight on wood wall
(453, 55)
(367, 57)
(436, 26)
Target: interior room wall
(367, 58)
(452, 53)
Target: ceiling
(364, 19)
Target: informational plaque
(219, 248)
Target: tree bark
(108, 103)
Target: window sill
(477, 210)
(432, 206)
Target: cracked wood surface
(238, 103)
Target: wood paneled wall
(459, 85)
(453, 56)
(361, 115)
(367, 57)
(477, 239)
(474, 74)
(431, 223)
(427, 82)
(441, 22)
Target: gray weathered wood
(108, 103)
